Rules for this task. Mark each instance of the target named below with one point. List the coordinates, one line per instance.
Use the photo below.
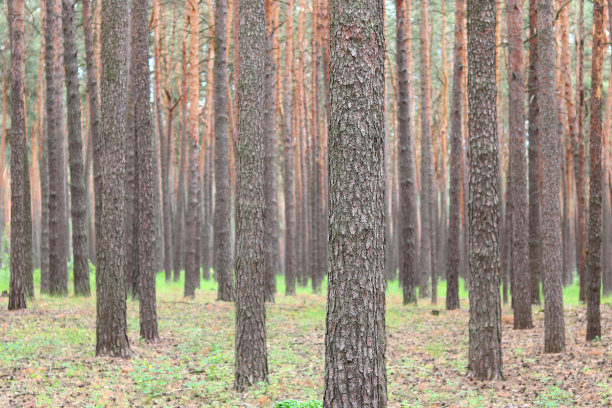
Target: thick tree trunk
(222, 223)
(409, 225)
(454, 226)
(21, 256)
(355, 339)
(484, 358)
(251, 353)
(593, 278)
(78, 194)
(144, 214)
(548, 127)
(517, 204)
(111, 325)
(58, 247)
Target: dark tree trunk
(179, 217)
(454, 226)
(94, 118)
(144, 204)
(45, 283)
(290, 238)
(78, 195)
(535, 236)
(517, 204)
(222, 255)
(355, 340)
(166, 199)
(251, 354)
(427, 199)
(271, 244)
(484, 358)
(58, 247)
(593, 278)
(111, 325)
(408, 191)
(548, 128)
(21, 253)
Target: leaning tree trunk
(548, 128)
(78, 194)
(20, 205)
(454, 225)
(519, 252)
(409, 225)
(58, 247)
(355, 338)
(111, 325)
(484, 358)
(593, 278)
(144, 204)
(251, 353)
(222, 258)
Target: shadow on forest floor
(47, 356)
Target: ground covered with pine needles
(47, 356)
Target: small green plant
(299, 404)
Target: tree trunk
(484, 358)
(554, 337)
(222, 221)
(290, 252)
(144, 214)
(251, 354)
(21, 254)
(593, 278)
(408, 192)
(517, 204)
(111, 325)
(78, 194)
(58, 247)
(454, 226)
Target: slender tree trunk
(290, 252)
(355, 339)
(554, 337)
(517, 204)
(593, 278)
(251, 353)
(78, 194)
(484, 358)
(222, 222)
(454, 227)
(111, 325)
(58, 247)
(144, 204)
(21, 256)
(408, 192)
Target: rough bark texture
(144, 203)
(454, 224)
(111, 326)
(484, 358)
(535, 235)
(271, 244)
(518, 178)
(355, 339)
(58, 247)
(78, 195)
(222, 255)
(251, 353)
(554, 337)
(290, 251)
(593, 278)
(408, 191)
(427, 199)
(20, 203)
(192, 266)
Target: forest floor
(47, 356)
